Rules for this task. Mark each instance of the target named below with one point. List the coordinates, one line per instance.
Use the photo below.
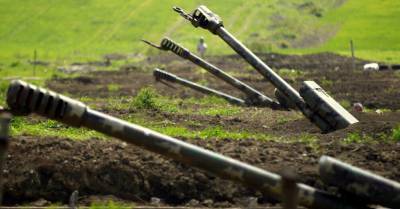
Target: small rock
(124, 144)
(193, 203)
(155, 201)
(40, 203)
(252, 202)
(208, 202)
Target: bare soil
(52, 168)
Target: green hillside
(73, 29)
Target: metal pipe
(254, 97)
(315, 104)
(163, 75)
(363, 184)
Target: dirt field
(52, 168)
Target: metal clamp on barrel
(24, 98)
(163, 75)
(169, 45)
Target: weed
(326, 83)
(220, 111)
(146, 99)
(113, 87)
(290, 73)
(110, 205)
(50, 128)
(396, 134)
(345, 103)
(310, 140)
(353, 138)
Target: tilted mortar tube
(164, 75)
(254, 97)
(327, 114)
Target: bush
(396, 133)
(353, 138)
(146, 99)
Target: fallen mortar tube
(363, 184)
(23, 99)
(163, 75)
(254, 97)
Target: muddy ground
(52, 168)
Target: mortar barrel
(369, 187)
(161, 74)
(253, 96)
(77, 114)
(326, 119)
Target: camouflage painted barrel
(369, 187)
(163, 75)
(23, 98)
(254, 97)
(205, 18)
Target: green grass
(111, 205)
(362, 138)
(371, 25)
(396, 133)
(75, 30)
(49, 128)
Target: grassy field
(81, 30)
(371, 24)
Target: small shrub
(290, 73)
(345, 103)
(212, 132)
(113, 87)
(353, 138)
(146, 99)
(396, 133)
